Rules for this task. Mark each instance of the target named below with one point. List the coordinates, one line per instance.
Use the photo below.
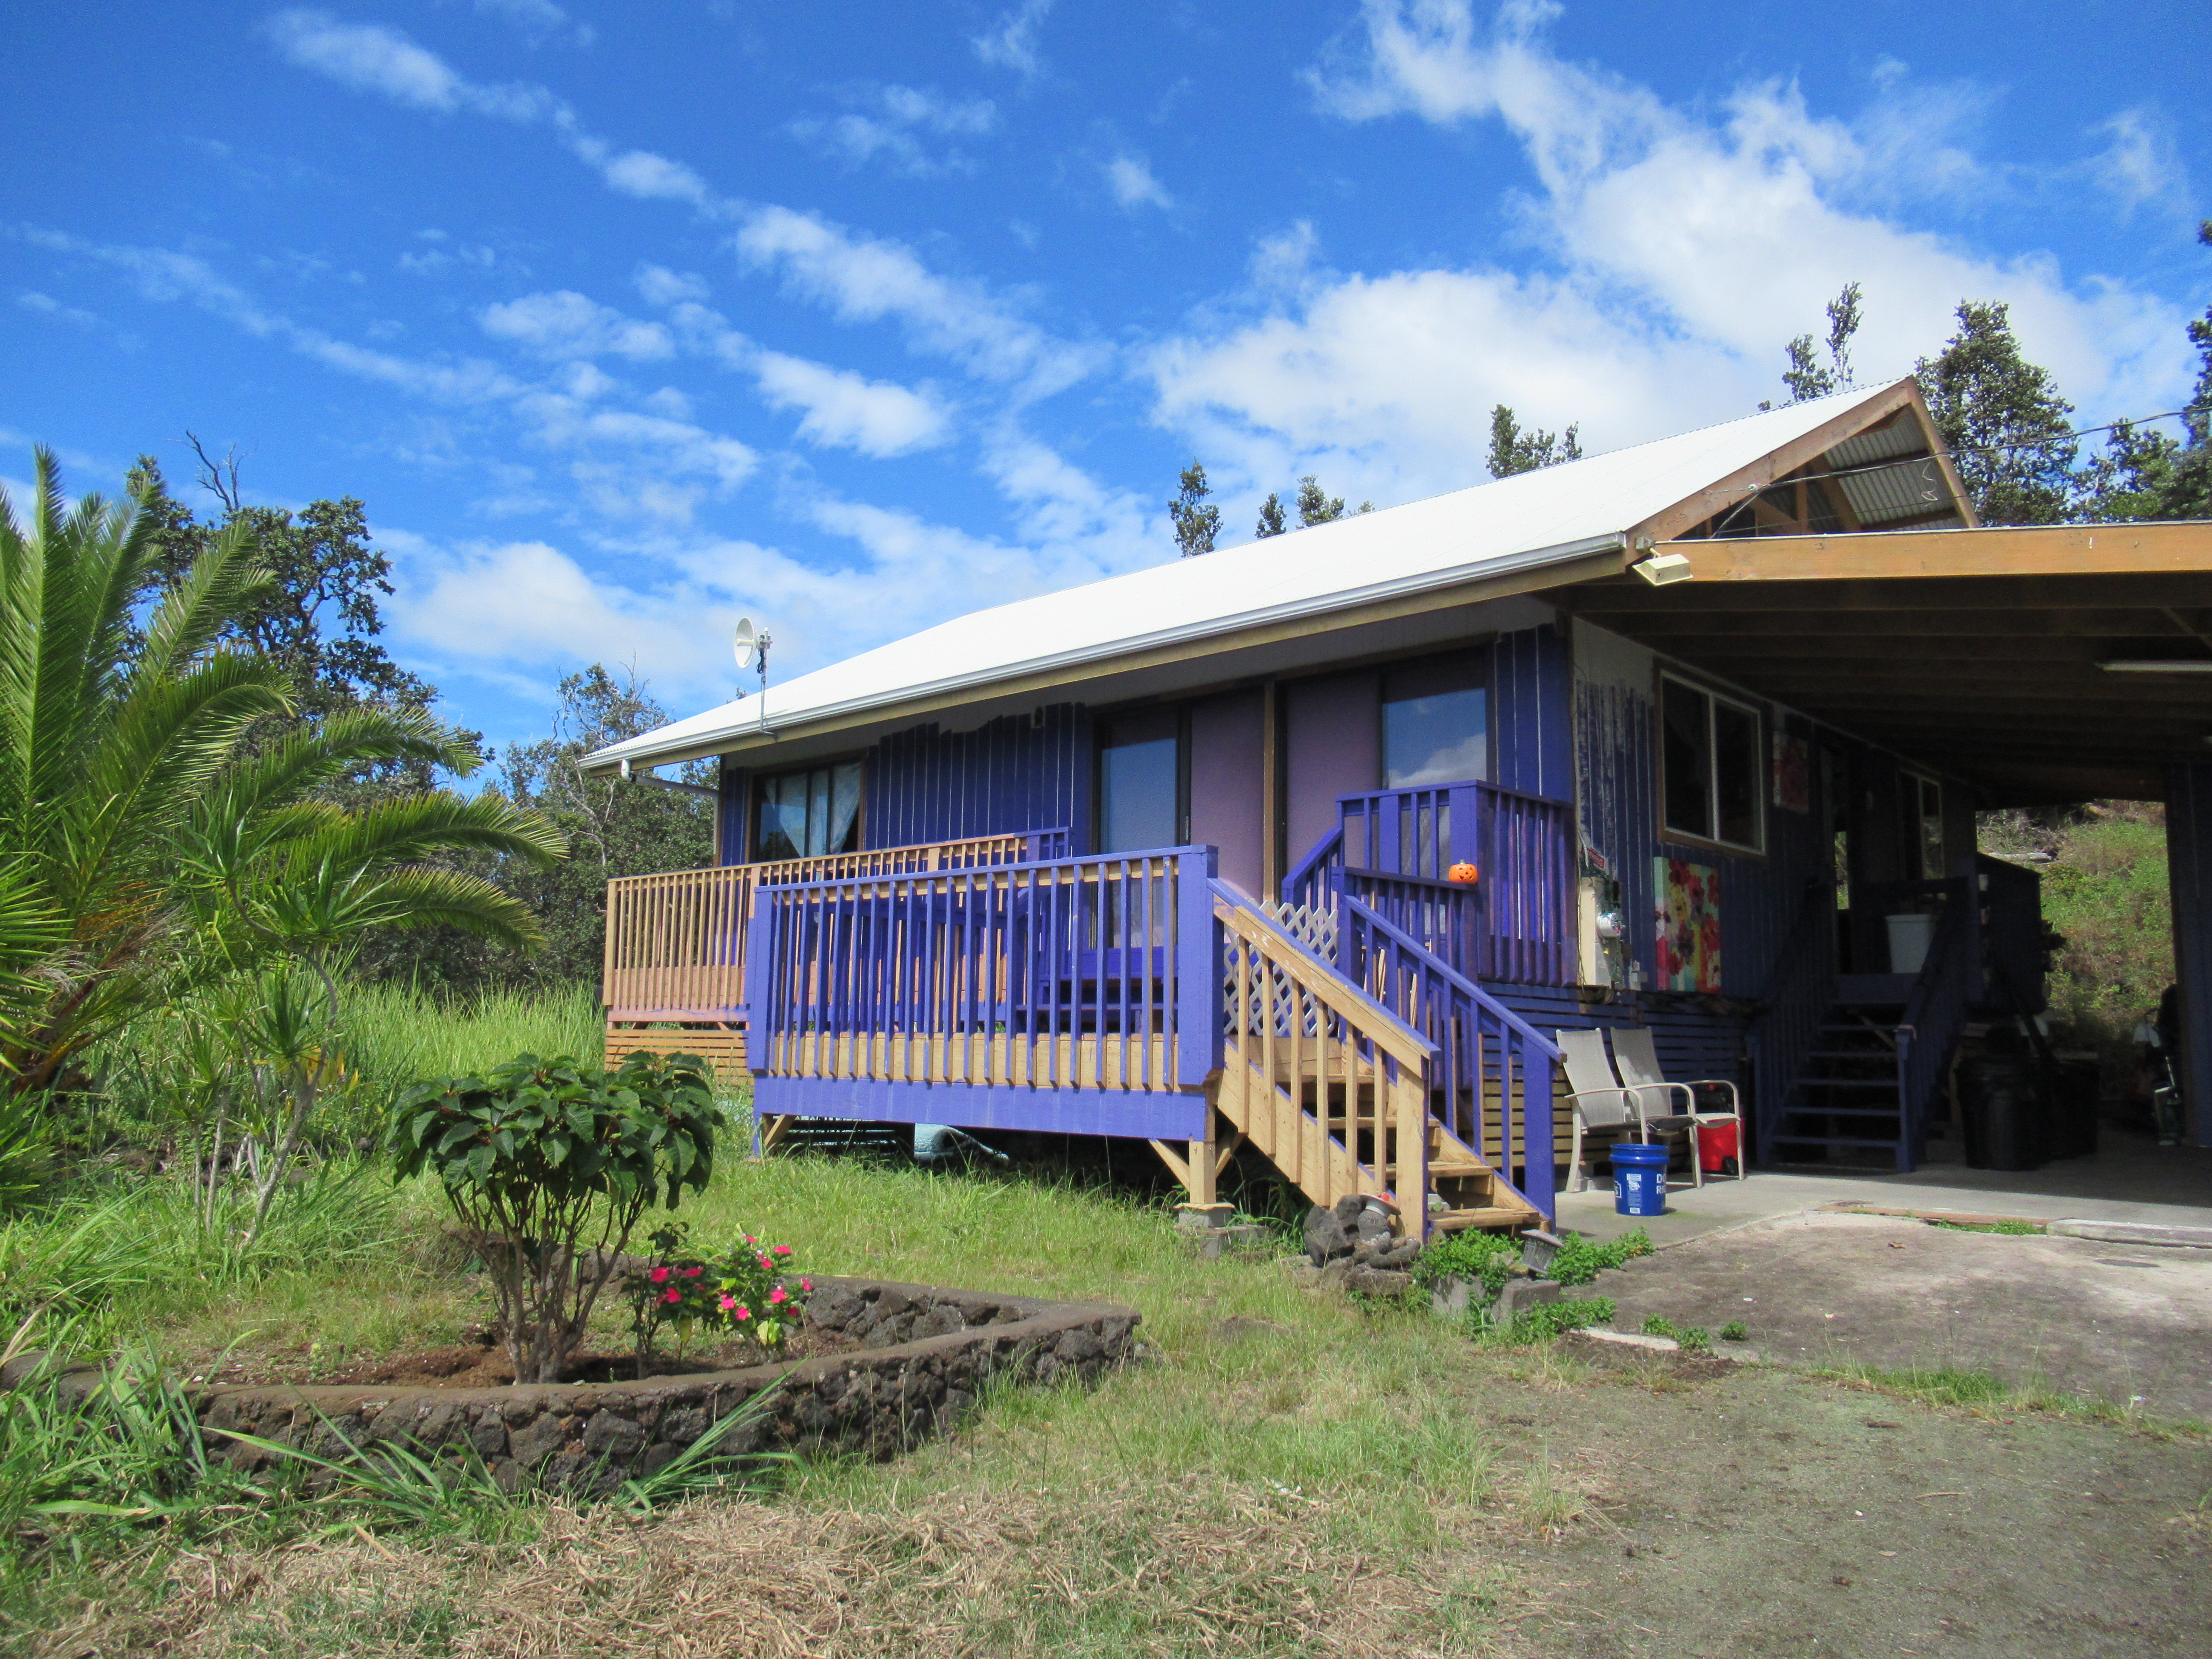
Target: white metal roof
(1509, 524)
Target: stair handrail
(1800, 989)
(1934, 1014)
(1275, 989)
(1327, 854)
(1454, 1010)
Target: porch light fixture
(2178, 665)
(1661, 568)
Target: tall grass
(399, 1035)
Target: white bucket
(1910, 936)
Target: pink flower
(750, 1239)
(783, 1250)
(765, 1262)
(728, 1303)
(671, 1294)
(659, 1275)
(777, 1295)
(745, 1313)
(807, 1285)
(693, 1273)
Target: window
(1710, 781)
(1436, 722)
(808, 814)
(1922, 799)
(1141, 782)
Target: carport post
(2189, 867)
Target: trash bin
(1717, 1148)
(2003, 1104)
(1910, 936)
(1639, 1178)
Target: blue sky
(625, 320)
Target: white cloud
(1130, 179)
(379, 59)
(1011, 41)
(865, 279)
(539, 20)
(662, 287)
(2140, 166)
(47, 306)
(892, 123)
(849, 411)
(1688, 248)
(567, 325)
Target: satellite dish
(746, 643)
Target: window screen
(1712, 782)
(1686, 741)
(1140, 783)
(809, 814)
(1435, 723)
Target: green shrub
(746, 1290)
(1734, 1331)
(552, 1166)
(1581, 1260)
(1694, 1339)
(1543, 1322)
(1490, 1257)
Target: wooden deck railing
(1393, 848)
(1089, 974)
(675, 941)
(1330, 1086)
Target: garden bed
(905, 1362)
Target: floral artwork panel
(1689, 907)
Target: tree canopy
(1514, 451)
(163, 824)
(1197, 520)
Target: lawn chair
(1600, 1105)
(1637, 1061)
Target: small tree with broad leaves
(554, 1166)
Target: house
(1182, 856)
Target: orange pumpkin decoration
(1465, 874)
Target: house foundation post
(2189, 869)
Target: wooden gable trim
(1901, 400)
(2114, 550)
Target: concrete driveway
(2122, 1322)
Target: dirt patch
(1755, 1513)
(2130, 1324)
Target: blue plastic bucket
(1639, 1178)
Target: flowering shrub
(553, 1164)
(747, 1291)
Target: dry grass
(1149, 1570)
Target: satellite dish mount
(750, 646)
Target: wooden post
(1203, 1168)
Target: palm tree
(151, 840)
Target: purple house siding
(733, 821)
(1019, 772)
(1335, 749)
(1228, 784)
(1532, 724)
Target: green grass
(1693, 1339)
(1986, 1394)
(2011, 1229)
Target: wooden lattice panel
(722, 1047)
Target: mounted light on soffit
(2177, 666)
(1659, 568)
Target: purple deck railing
(1081, 974)
(1392, 848)
(1493, 1073)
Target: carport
(2042, 665)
